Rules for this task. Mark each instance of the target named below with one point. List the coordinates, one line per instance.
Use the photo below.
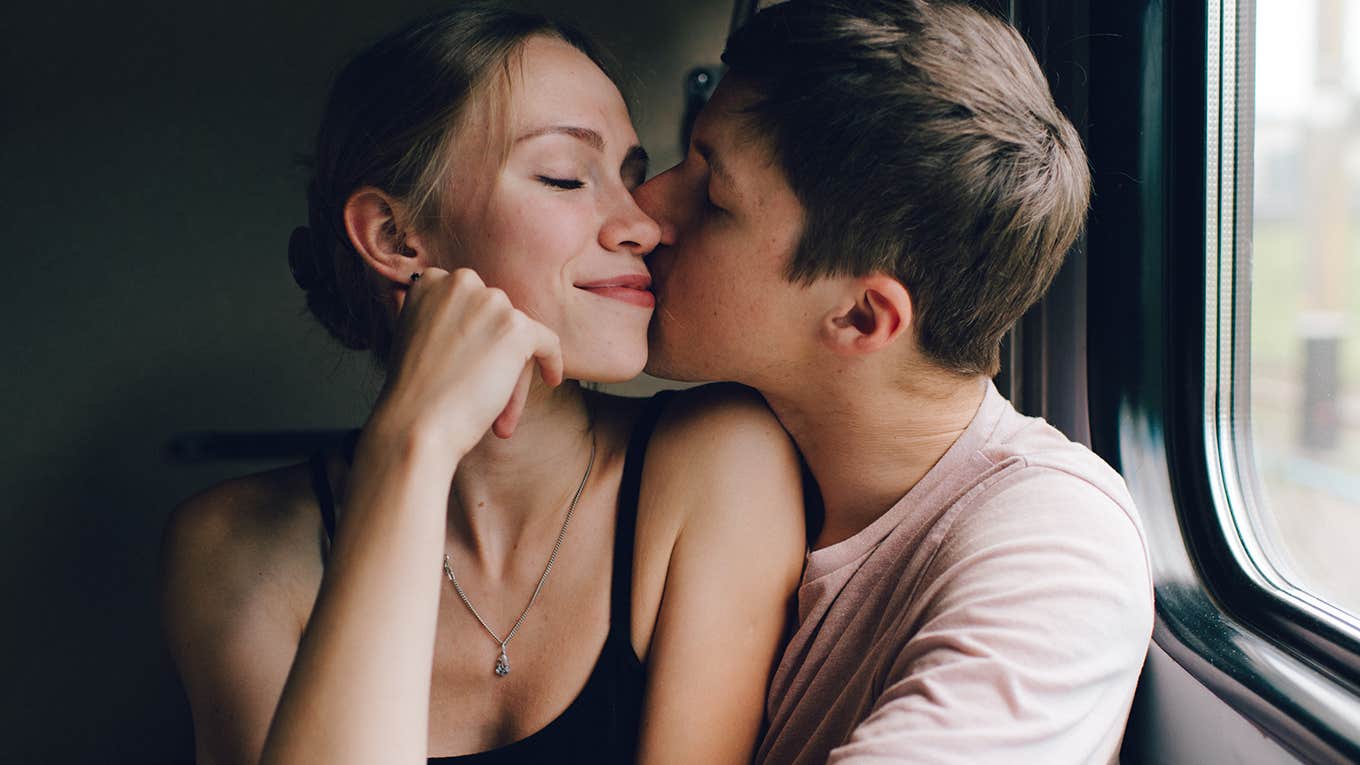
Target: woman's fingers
(545, 353)
(420, 283)
(508, 419)
(465, 358)
(548, 354)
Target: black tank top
(601, 724)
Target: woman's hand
(462, 362)
(359, 687)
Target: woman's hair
(390, 123)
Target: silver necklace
(503, 662)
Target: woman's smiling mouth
(634, 289)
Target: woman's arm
(359, 687)
(239, 568)
(231, 585)
(722, 466)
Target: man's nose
(655, 197)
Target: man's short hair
(923, 142)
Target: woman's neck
(510, 494)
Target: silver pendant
(502, 664)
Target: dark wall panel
(149, 185)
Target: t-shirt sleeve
(1036, 620)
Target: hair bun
(315, 273)
(302, 258)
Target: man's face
(729, 226)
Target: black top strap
(321, 487)
(348, 445)
(321, 481)
(625, 527)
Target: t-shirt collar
(946, 473)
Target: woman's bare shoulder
(256, 510)
(240, 569)
(717, 447)
(731, 420)
(696, 417)
(252, 539)
(721, 502)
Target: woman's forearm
(359, 688)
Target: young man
(876, 192)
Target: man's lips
(634, 289)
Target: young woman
(501, 566)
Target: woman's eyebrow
(585, 135)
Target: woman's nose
(631, 229)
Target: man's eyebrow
(585, 135)
(714, 164)
(635, 165)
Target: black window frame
(1144, 107)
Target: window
(1305, 291)
(1172, 139)
(1283, 302)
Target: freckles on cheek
(502, 241)
(521, 243)
(718, 298)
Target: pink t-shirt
(999, 612)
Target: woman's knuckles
(465, 278)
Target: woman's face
(558, 229)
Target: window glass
(1305, 292)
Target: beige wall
(147, 152)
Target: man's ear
(375, 223)
(874, 311)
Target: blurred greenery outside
(1280, 268)
(1312, 495)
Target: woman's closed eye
(565, 184)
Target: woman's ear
(377, 226)
(875, 310)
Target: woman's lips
(642, 298)
(633, 289)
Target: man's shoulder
(1031, 455)
(1050, 515)
(1012, 476)
(1042, 487)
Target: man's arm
(1037, 620)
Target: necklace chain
(503, 662)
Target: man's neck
(868, 443)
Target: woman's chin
(616, 369)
